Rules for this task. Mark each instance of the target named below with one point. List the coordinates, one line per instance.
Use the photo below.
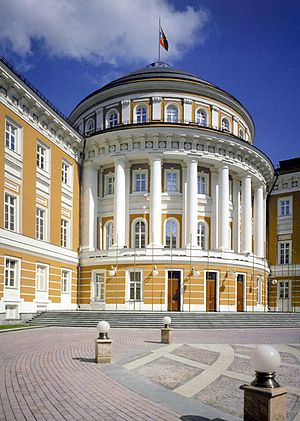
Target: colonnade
(229, 218)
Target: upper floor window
(10, 212)
(40, 224)
(11, 273)
(140, 181)
(139, 234)
(141, 115)
(65, 233)
(202, 184)
(172, 181)
(201, 117)
(66, 281)
(109, 184)
(42, 156)
(172, 114)
(66, 173)
(171, 233)
(41, 277)
(109, 235)
(284, 207)
(241, 133)
(225, 124)
(202, 235)
(135, 285)
(90, 126)
(112, 119)
(284, 253)
(11, 136)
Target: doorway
(283, 296)
(211, 288)
(174, 290)
(240, 278)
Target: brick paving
(50, 374)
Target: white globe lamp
(265, 360)
(103, 329)
(167, 321)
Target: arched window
(201, 117)
(225, 124)
(171, 234)
(172, 114)
(202, 235)
(112, 119)
(109, 235)
(139, 234)
(141, 115)
(90, 126)
(241, 133)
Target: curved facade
(173, 210)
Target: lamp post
(103, 343)
(264, 398)
(166, 331)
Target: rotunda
(173, 212)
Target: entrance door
(283, 296)
(240, 292)
(173, 291)
(211, 281)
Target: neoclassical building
(173, 206)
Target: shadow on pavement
(85, 360)
(153, 342)
(199, 418)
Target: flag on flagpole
(163, 39)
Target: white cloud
(111, 31)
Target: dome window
(225, 124)
(172, 114)
(90, 126)
(112, 119)
(241, 133)
(141, 115)
(201, 117)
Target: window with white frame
(171, 181)
(259, 292)
(135, 285)
(11, 136)
(42, 156)
(109, 235)
(40, 224)
(65, 233)
(66, 173)
(201, 117)
(241, 133)
(66, 281)
(172, 114)
(284, 207)
(109, 184)
(201, 235)
(112, 119)
(99, 287)
(139, 234)
(171, 233)
(90, 126)
(41, 277)
(141, 114)
(284, 289)
(140, 181)
(11, 273)
(10, 212)
(225, 124)
(284, 253)
(202, 183)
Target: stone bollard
(264, 398)
(103, 344)
(166, 332)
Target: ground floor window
(99, 287)
(135, 286)
(284, 289)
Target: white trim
(134, 173)
(177, 232)
(107, 117)
(134, 303)
(94, 273)
(142, 105)
(44, 266)
(133, 232)
(171, 104)
(170, 171)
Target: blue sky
(251, 48)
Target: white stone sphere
(103, 327)
(265, 359)
(167, 320)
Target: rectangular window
(285, 207)
(201, 184)
(99, 289)
(259, 290)
(109, 184)
(42, 156)
(284, 253)
(171, 181)
(41, 277)
(11, 136)
(10, 212)
(11, 273)
(136, 286)
(66, 173)
(284, 289)
(65, 233)
(140, 182)
(40, 224)
(65, 281)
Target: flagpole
(159, 40)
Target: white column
(125, 111)
(89, 207)
(259, 221)
(246, 211)
(215, 117)
(155, 202)
(224, 208)
(156, 108)
(184, 204)
(187, 110)
(214, 210)
(120, 202)
(236, 217)
(192, 203)
(99, 119)
(127, 194)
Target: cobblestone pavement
(50, 374)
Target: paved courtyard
(50, 374)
